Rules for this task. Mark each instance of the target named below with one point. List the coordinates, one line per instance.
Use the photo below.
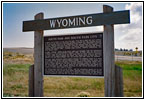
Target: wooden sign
(77, 55)
(74, 55)
(118, 17)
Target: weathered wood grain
(31, 81)
(118, 17)
(108, 47)
(118, 82)
(38, 77)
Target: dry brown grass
(70, 87)
(15, 80)
(17, 58)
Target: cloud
(135, 12)
(132, 33)
(135, 8)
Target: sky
(128, 36)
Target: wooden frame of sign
(112, 74)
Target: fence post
(31, 81)
(109, 66)
(118, 82)
(132, 55)
(38, 77)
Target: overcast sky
(127, 36)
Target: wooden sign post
(38, 77)
(76, 55)
(109, 65)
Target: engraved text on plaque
(74, 55)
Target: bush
(18, 55)
(83, 94)
(7, 54)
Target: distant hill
(22, 50)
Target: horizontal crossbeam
(118, 17)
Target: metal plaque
(74, 55)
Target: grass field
(15, 81)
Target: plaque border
(67, 75)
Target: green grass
(131, 70)
(15, 82)
(15, 79)
(9, 69)
(7, 95)
(132, 77)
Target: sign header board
(74, 55)
(118, 17)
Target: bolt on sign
(80, 55)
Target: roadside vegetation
(15, 80)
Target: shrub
(83, 94)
